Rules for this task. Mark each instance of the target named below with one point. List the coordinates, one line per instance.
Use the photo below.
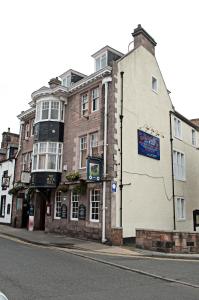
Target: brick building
(70, 130)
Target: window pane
(103, 61)
(97, 64)
(58, 204)
(34, 162)
(42, 161)
(54, 110)
(52, 147)
(51, 161)
(84, 104)
(43, 147)
(95, 99)
(45, 109)
(95, 205)
(74, 205)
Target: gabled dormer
(70, 77)
(105, 57)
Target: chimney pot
(54, 82)
(142, 38)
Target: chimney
(54, 82)
(142, 38)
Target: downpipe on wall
(105, 82)
(172, 171)
(121, 146)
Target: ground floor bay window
(47, 156)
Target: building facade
(8, 151)
(109, 152)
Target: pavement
(46, 239)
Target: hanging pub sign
(63, 211)
(82, 212)
(148, 145)
(94, 169)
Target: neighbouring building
(9, 146)
(110, 154)
(23, 169)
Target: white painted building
(8, 151)
(151, 197)
(7, 176)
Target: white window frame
(180, 209)
(84, 105)
(91, 205)
(100, 57)
(37, 152)
(66, 81)
(177, 128)
(27, 131)
(39, 110)
(82, 149)
(3, 206)
(26, 161)
(32, 122)
(93, 142)
(57, 205)
(74, 205)
(96, 99)
(154, 84)
(179, 165)
(193, 137)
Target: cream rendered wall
(189, 188)
(147, 192)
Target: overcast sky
(41, 39)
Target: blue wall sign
(148, 145)
(114, 187)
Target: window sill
(180, 179)
(178, 138)
(181, 220)
(94, 221)
(156, 92)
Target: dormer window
(101, 62)
(67, 81)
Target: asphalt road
(30, 272)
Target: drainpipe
(20, 138)
(105, 81)
(121, 150)
(173, 182)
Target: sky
(41, 39)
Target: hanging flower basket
(73, 176)
(62, 188)
(17, 187)
(80, 188)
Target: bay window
(49, 110)
(47, 156)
